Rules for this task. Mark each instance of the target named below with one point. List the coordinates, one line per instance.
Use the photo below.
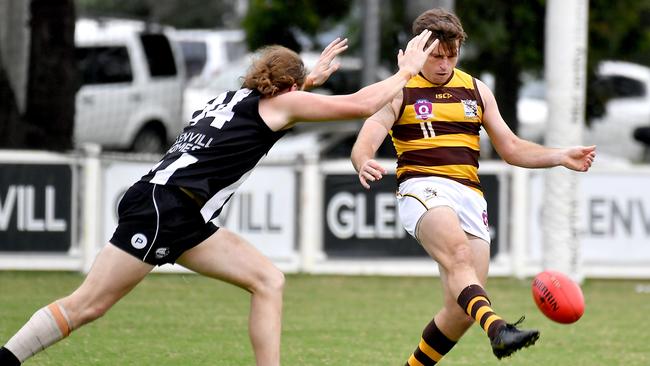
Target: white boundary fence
(58, 210)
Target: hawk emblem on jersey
(429, 193)
(470, 107)
(423, 109)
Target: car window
(533, 89)
(235, 50)
(624, 87)
(343, 82)
(104, 65)
(158, 51)
(230, 77)
(195, 56)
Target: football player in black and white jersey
(166, 216)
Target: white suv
(628, 87)
(206, 51)
(132, 83)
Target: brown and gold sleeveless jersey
(437, 133)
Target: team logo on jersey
(429, 193)
(470, 107)
(423, 109)
(162, 252)
(139, 241)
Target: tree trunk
(13, 71)
(11, 130)
(506, 89)
(53, 78)
(508, 71)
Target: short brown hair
(274, 69)
(444, 26)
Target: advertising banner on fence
(614, 212)
(365, 223)
(35, 208)
(263, 210)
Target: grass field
(328, 320)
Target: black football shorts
(158, 223)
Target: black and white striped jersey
(217, 151)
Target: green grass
(328, 320)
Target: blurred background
(63, 61)
(114, 81)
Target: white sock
(46, 327)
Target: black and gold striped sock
(475, 302)
(433, 346)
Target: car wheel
(149, 140)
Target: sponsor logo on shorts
(485, 220)
(162, 252)
(139, 241)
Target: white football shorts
(417, 195)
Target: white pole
(371, 42)
(310, 239)
(91, 213)
(565, 62)
(519, 224)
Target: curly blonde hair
(275, 68)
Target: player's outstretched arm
(527, 154)
(288, 108)
(325, 66)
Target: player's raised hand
(579, 158)
(325, 66)
(415, 55)
(370, 171)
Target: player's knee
(276, 281)
(272, 281)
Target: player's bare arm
(527, 154)
(283, 111)
(372, 135)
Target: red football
(558, 297)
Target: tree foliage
(505, 38)
(180, 14)
(282, 21)
(509, 38)
(619, 30)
